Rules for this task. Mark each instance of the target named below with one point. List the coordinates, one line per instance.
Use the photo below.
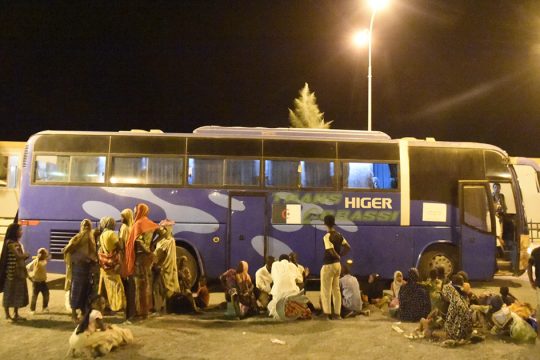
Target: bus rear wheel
(444, 257)
(191, 263)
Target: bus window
(166, 171)
(361, 175)
(281, 173)
(147, 170)
(204, 171)
(506, 190)
(89, 169)
(242, 172)
(476, 208)
(317, 174)
(51, 168)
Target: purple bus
(244, 193)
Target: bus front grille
(58, 240)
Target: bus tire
(443, 256)
(191, 263)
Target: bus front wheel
(444, 257)
(191, 263)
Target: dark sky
(452, 69)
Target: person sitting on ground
(303, 271)
(507, 297)
(37, 269)
(248, 303)
(351, 304)
(414, 302)
(92, 337)
(202, 295)
(458, 324)
(263, 281)
(467, 289)
(287, 301)
(434, 286)
(183, 302)
(374, 291)
(228, 281)
(397, 283)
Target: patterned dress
(459, 322)
(15, 289)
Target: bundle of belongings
(515, 321)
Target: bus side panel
(301, 239)
(211, 245)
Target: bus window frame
(223, 158)
(342, 186)
(146, 155)
(67, 183)
(336, 177)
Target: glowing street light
(365, 36)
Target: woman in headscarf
(109, 261)
(138, 261)
(414, 302)
(13, 273)
(125, 229)
(80, 256)
(166, 259)
(396, 285)
(245, 289)
(459, 323)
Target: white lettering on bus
(367, 203)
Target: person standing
(109, 261)
(500, 211)
(123, 235)
(335, 246)
(80, 256)
(38, 269)
(166, 269)
(138, 261)
(13, 273)
(534, 279)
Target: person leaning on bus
(335, 246)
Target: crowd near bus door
(478, 244)
(247, 230)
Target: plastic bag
(521, 331)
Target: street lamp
(364, 36)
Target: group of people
(448, 310)
(135, 270)
(279, 289)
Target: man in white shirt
(263, 280)
(304, 272)
(285, 275)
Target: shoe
(45, 311)
(336, 317)
(32, 313)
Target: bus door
(477, 245)
(247, 229)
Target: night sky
(462, 70)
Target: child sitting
(92, 337)
(507, 297)
(202, 296)
(37, 270)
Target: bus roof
(288, 133)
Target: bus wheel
(191, 263)
(444, 257)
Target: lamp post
(366, 36)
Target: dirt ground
(211, 336)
